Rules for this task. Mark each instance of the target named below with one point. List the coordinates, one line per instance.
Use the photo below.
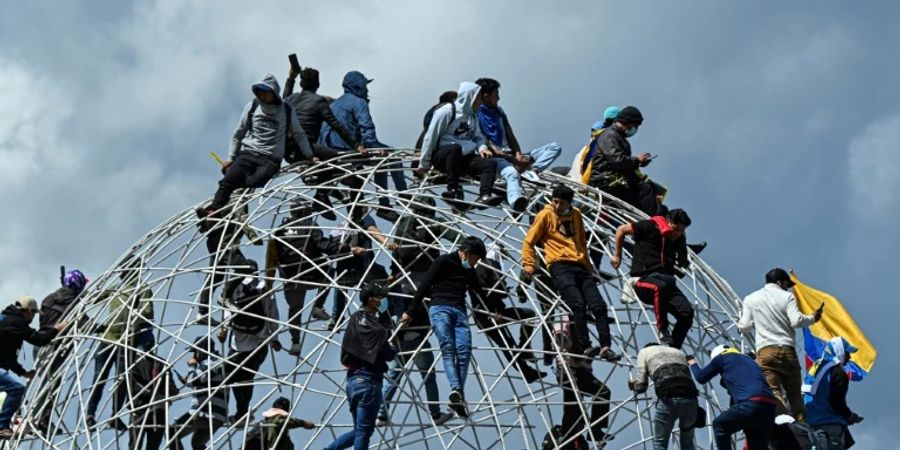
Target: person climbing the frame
(825, 395)
(559, 229)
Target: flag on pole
(836, 321)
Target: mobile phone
(294, 63)
(821, 307)
(652, 157)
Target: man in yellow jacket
(559, 229)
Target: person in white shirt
(773, 314)
(676, 393)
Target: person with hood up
(352, 111)
(752, 403)
(258, 144)
(15, 328)
(365, 352)
(453, 144)
(503, 144)
(825, 394)
(275, 428)
(659, 246)
(559, 229)
(615, 171)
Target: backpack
(248, 300)
(292, 151)
(555, 435)
(587, 156)
(426, 121)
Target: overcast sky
(777, 125)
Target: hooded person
(258, 144)
(454, 144)
(825, 395)
(352, 111)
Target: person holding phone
(772, 314)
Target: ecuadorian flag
(835, 322)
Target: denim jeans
(423, 361)
(756, 419)
(14, 391)
(364, 399)
(668, 410)
(544, 156)
(451, 326)
(108, 355)
(381, 180)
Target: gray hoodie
(463, 129)
(270, 126)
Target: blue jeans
(364, 399)
(14, 391)
(451, 326)
(544, 156)
(667, 412)
(756, 419)
(423, 361)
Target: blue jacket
(741, 376)
(829, 404)
(352, 111)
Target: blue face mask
(383, 305)
(631, 132)
(465, 264)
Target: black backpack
(426, 121)
(292, 151)
(248, 299)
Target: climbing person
(352, 111)
(53, 308)
(615, 171)
(312, 111)
(252, 318)
(495, 318)
(15, 329)
(676, 394)
(576, 377)
(752, 403)
(502, 142)
(365, 352)
(258, 144)
(582, 164)
(772, 314)
(223, 242)
(559, 229)
(209, 406)
(659, 250)
(130, 324)
(453, 144)
(825, 395)
(300, 251)
(273, 433)
(417, 232)
(446, 283)
(357, 233)
(150, 389)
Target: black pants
(450, 160)
(578, 289)
(197, 427)
(295, 295)
(584, 384)
(500, 334)
(47, 397)
(244, 375)
(246, 171)
(641, 194)
(661, 291)
(147, 428)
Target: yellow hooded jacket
(562, 238)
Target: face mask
(465, 264)
(383, 305)
(566, 211)
(631, 132)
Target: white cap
(718, 350)
(27, 302)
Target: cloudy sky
(777, 125)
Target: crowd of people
(424, 292)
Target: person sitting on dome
(502, 142)
(582, 164)
(210, 403)
(660, 246)
(299, 250)
(454, 145)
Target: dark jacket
(277, 425)
(613, 160)
(312, 109)
(654, 253)
(447, 283)
(15, 329)
(741, 376)
(352, 111)
(829, 405)
(365, 348)
(289, 246)
(493, 284)
(55, 306)
(416, 252)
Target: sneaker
(452, 194)
(295, 349)
(6, 434)
(441, 418)
(458, 404)
(602, 438)
(490, 200)
(90, 421)
(591, 352)
(609, 355)
(205, 319)
(697, 248)
(530, 175)
(386, 213)
(665, 338)
(319, 314)
(382, 421)
(117, 424)
(330, 325)
(323, 205)
(520, 205)
(531, 374)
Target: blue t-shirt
(741, 376)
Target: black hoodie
(15, 329)
(55, 306)
(365, 347)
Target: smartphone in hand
(294, 63)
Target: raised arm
(797, 318)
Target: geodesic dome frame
(173, 263)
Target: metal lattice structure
(171, 268)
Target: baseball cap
(27, 302)
(778, 274)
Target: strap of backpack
(253, 107)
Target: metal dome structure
(173, 269)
